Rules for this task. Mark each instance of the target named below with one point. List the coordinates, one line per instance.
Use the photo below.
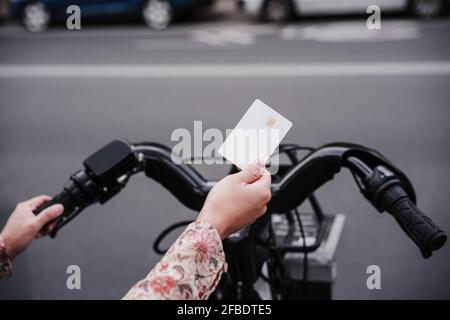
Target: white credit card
(256, 136)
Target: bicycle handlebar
(386, 193)
(420, 228)
(108, 170)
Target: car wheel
(157, 14)
(427, 8)
(278, 10)
(36, 17)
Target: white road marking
(165, 44)
(224, 37)
(234, 35)
(352, 32)
(412, 68)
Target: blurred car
(282, 10)
(36, 15)
(3, 10)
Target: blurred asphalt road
(48, 125)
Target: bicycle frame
(384, 185)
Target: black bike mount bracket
(110, 167)
(105, 173)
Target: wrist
(3, 246)
(5, 261)
(6, 247)
(2, 243)
(219, 227)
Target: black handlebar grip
(44, 206)
(420, 228)
(58, 199)
(61, 198)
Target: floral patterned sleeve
(190, 269)
(5, 263)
